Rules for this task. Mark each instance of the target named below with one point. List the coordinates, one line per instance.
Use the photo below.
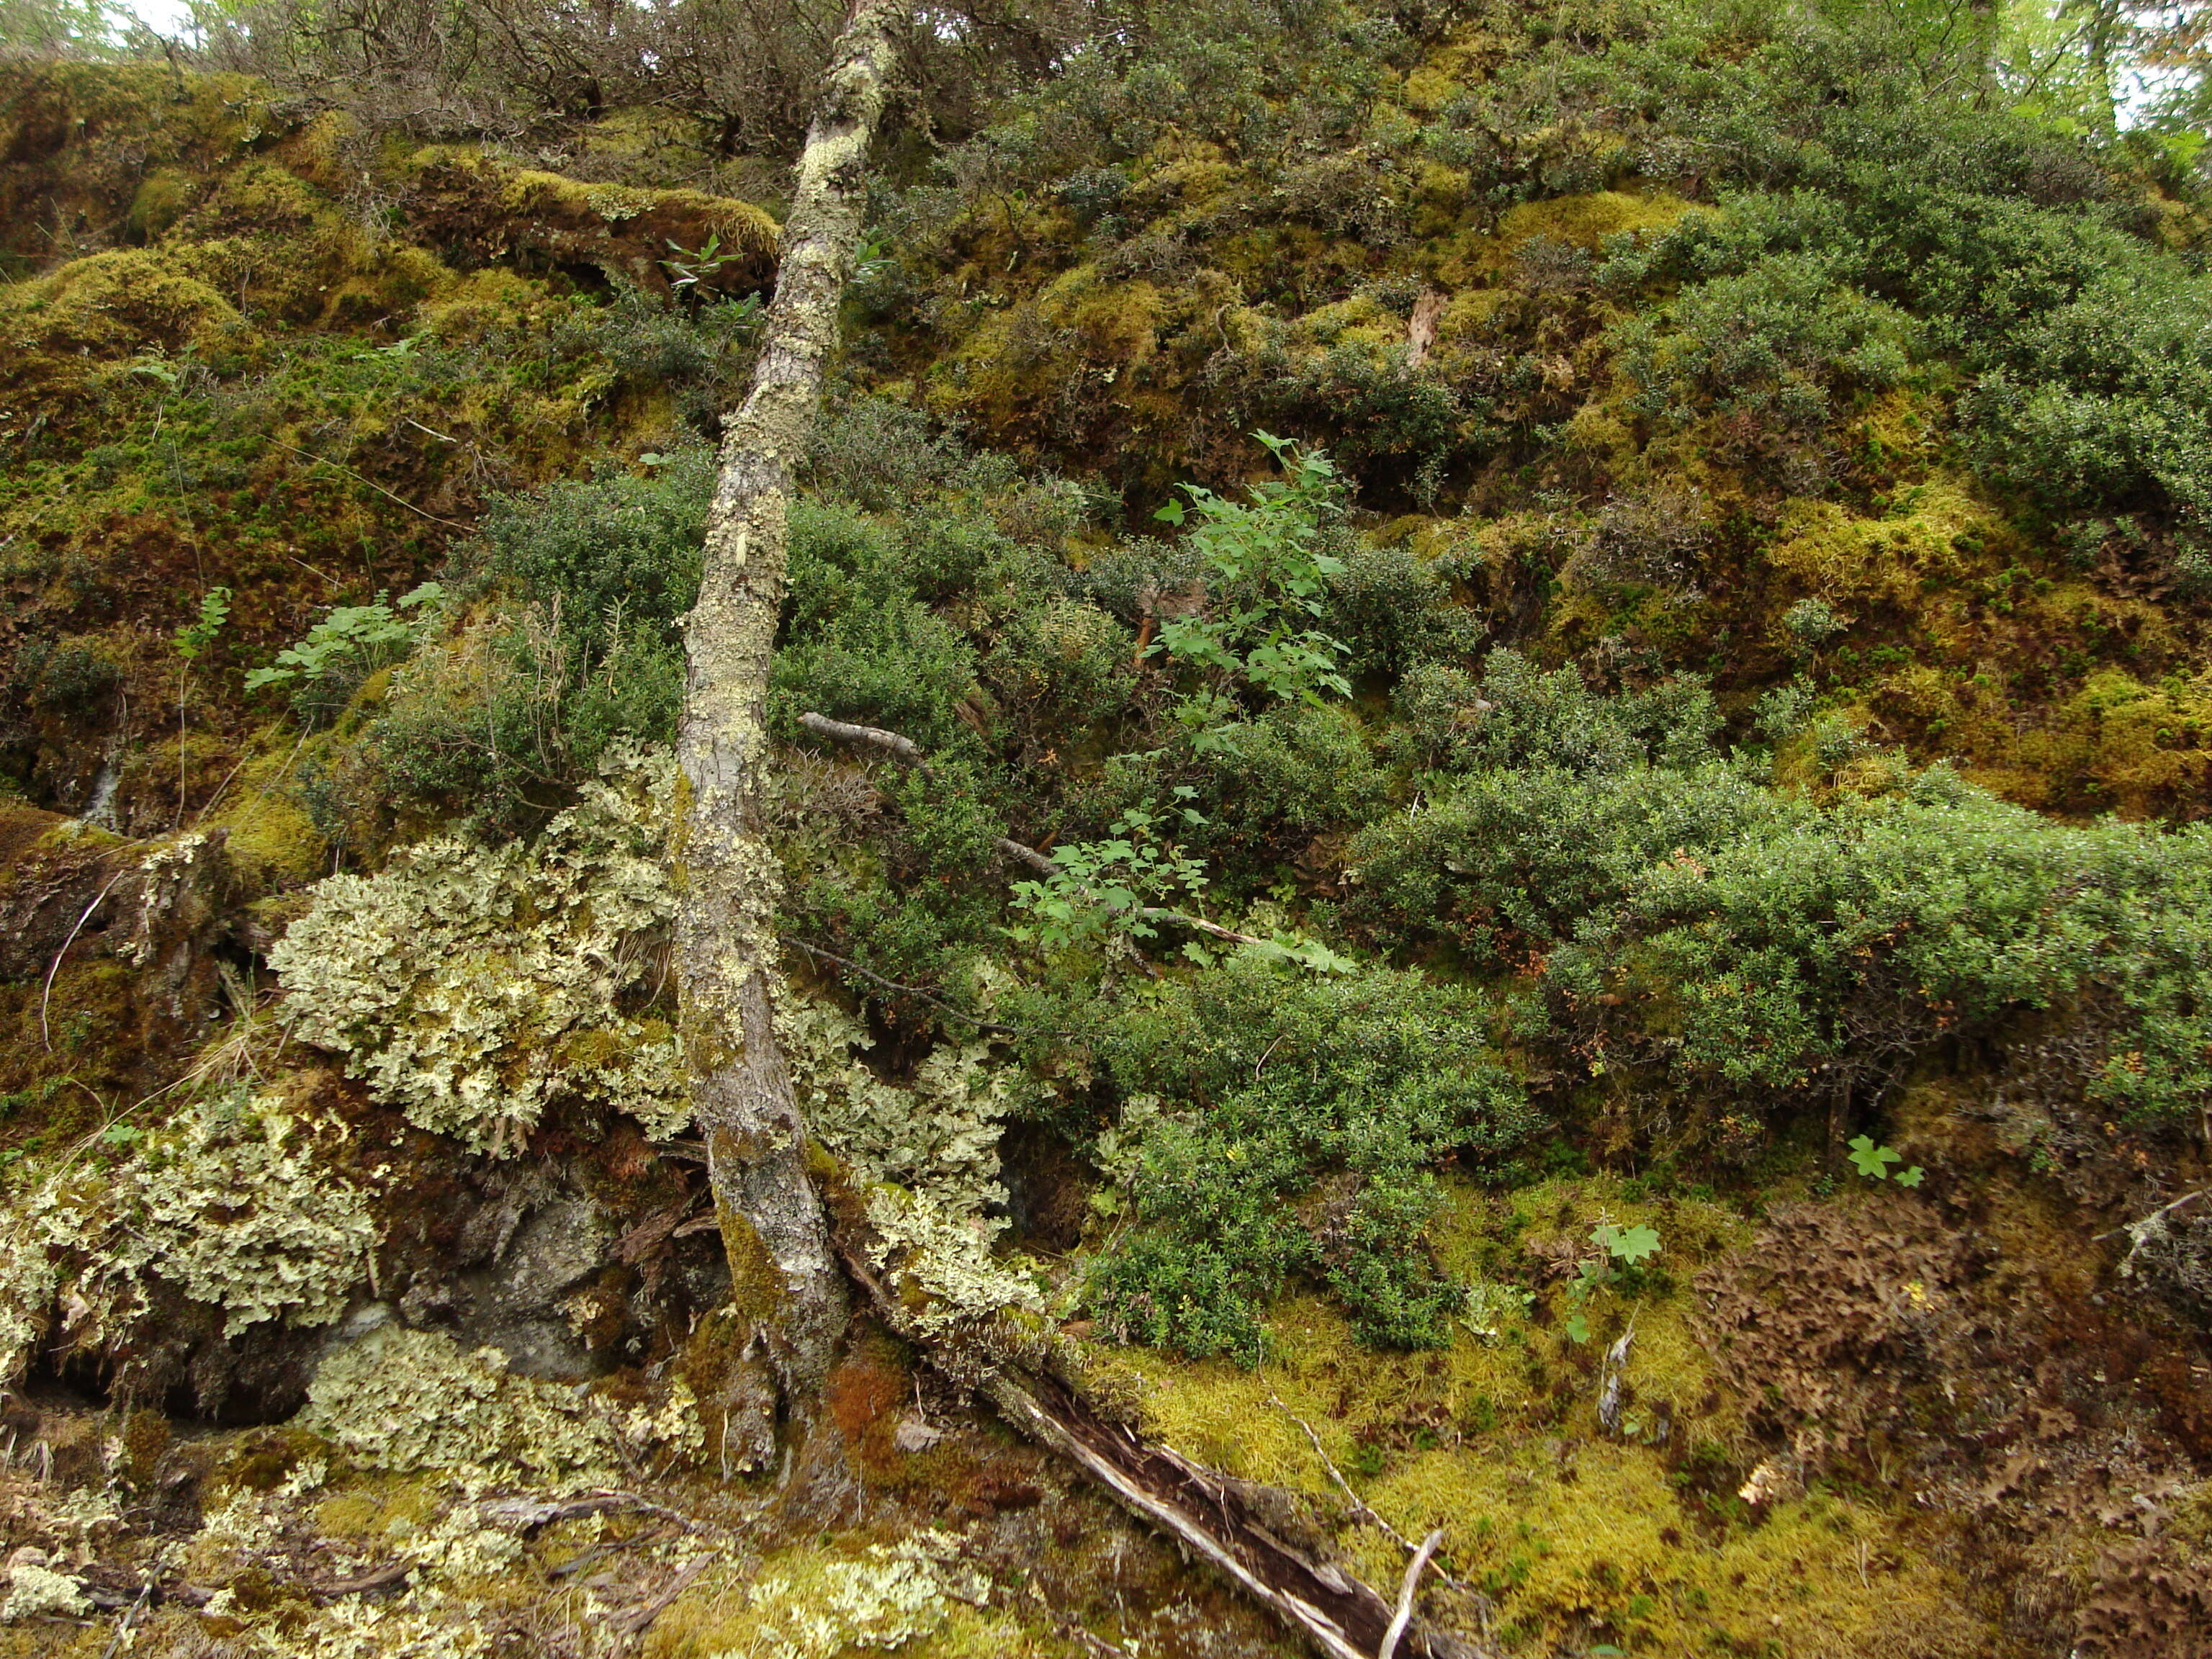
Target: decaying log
(787, 1288)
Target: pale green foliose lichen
(404, 1399)
(37, 1592)
(238, 1206)
(472, 986)
(927, 1155)
(939, 1135)
(895, 1595)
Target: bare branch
(1029, 856)
(2134, 1229)
(1359, 1507)
(1404, 1616)
(916, 991)
(903, 748)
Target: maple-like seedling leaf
(1872, 1161)
(1633, 1244)
(1912, 1177)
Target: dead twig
(418, 512)
(904, 748)
(1359, 1507)
(46, 994)
(130, 1618)
(1404, 1616)
(391, 1573)
(917, 992)
(638, 1623)
(2132, 1228)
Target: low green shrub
(590, 580)
(613, 559)
(1516, 860)
(1781, 342)
(1281, 1125)
(1394, 611)
(1835, 947)
(1298, 768)
(1519, 715)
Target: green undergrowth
(1505, 914)
(1521, 628)
(275, 356)
(1570, 297)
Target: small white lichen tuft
(40, 1592)
(472, 986)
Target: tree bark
(788, 1293)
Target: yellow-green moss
(1586, 221)
(1826, 552)
(1569, 1528)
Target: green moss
(1823, 551)
(1574, 1531)
(1586, 221)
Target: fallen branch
(383, 1577)
(1404, 1616)
(638, 1623)
(904, 748)
(1029, 856)
(528, 1514)
(1209, 1514)
(2134, 1229)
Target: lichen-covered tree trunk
(788, 1294)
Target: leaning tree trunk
(788, 1292)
